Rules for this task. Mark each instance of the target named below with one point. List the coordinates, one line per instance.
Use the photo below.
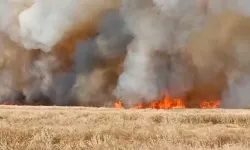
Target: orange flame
(117, 104)
(210, 104)
(167, 103)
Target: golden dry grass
(75, 128)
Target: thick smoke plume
(160, 35)
(176, 48)
(38, 43)
(47, 23)
(94, 52)
(99, 73)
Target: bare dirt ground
(76, 128)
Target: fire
(210, 104)
(11, 103)
(167, 103)
(164, 103)
(118, 104)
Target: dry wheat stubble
(68, 128)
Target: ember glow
(7, 102)
(210, 104)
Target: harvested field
(75, 128)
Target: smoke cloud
(160, 35)
(47, 23)
(219, 54)
(93, 53)
(95, 83)
(193, 71)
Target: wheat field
(81, 128)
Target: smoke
(160, 35)
(163, 56)
(216, 6)
(236, 95)
(220, 62)
(98, 76)
(47, 23)
(9, 12)
(45, 26)
(24, 73)
(93, 53)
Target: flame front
(167, 103)
(164, 103)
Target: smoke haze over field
(93, 53)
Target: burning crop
(169, 103)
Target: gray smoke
(238, 81)
(237, 94)
(241, 6)
(160, 35)
(104, 55)
(24, 73)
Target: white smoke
(47, 23)
(9, 12)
